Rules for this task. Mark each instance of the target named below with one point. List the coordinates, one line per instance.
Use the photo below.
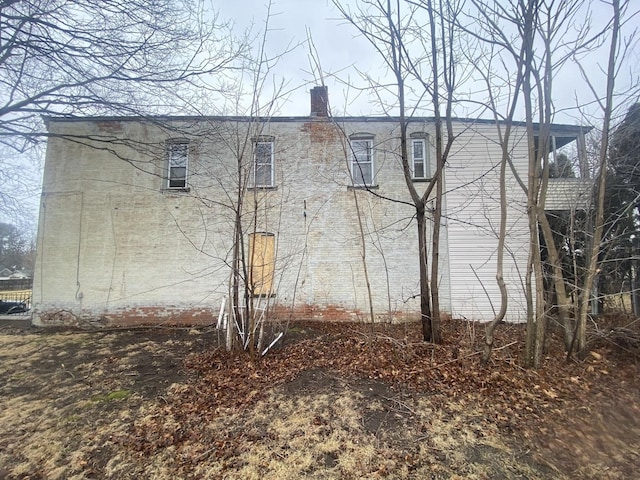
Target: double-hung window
(178, 163)
(263, 165)
(362, 161)
(419, 158)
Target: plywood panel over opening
(261, 262)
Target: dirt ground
(335, 401)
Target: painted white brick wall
(111, 239)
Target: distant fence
(16, 302)
(16, 284)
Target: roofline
(557, 128)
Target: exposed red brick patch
(143, 315)
(322, 131)
(130, 317)
(110, 126)
(337, 313)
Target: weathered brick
(114, 244)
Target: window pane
(418, 150)
(177, 177)
(362, 161)
(263, 176)
(418, 170)
(263, 167)
(361, 150)
(419, 159)
(178, 156)
(362, 174)
(263, 153)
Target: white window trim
(255, 164)
(355, 165)
(424, 160)
(170, 145)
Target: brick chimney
(319, 102)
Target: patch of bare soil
(336, 401)
(60, 390)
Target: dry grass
(62, 395)
(72, 401)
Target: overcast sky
(341, 51)
(338, 49)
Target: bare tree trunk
(541, 322)
(502, 234)
(425, 307)
(504, 139)
(531, 319)
(635, 298)
(249, 279)
(426, 317)
(363, 255)
(562, 301)
(437, 213)
(592, 266)
(535, 316)
(387, 26)
(536, 324)
(230, 333)
(435, 257)
(234, 297)
(538, 146)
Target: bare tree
(504, 125)
(391, 28)
(115, 57)
(619, 269)
(246, 188)
(606, 104)
(538, 38)
(181, 48)
(534, 41)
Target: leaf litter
(340, 401)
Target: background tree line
(17, 250)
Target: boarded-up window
(261, 262)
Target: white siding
(568, 194)
(474, 214)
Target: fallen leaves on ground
(517, 400)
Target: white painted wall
(112, 242)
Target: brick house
(136, 218)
